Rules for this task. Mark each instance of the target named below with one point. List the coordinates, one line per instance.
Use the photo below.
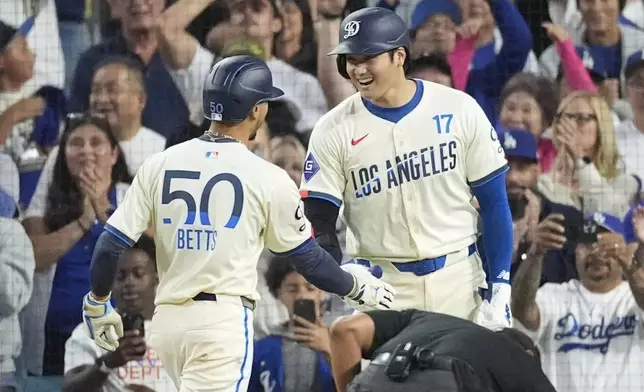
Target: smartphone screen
(132, 322)
(305, 308)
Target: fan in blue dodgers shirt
(590, 330)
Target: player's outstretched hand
(494, 313)
(369, 292)
(102, 323)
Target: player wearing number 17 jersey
(404, 158)
(214, 205)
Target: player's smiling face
(373, 76)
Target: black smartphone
(305, 308)
(517, 207)
(133, 322)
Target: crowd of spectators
(90, 89)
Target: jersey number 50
(167, 196)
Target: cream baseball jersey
(214, 206)
(590, 342)
(404, 186)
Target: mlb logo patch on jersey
(212, 154)
(311, 167)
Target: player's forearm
(497, 228)
(524, 290)
(84, 379)
(320, 269)
(323, 216)
(102, 271)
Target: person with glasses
(89, 178)
(119, 94)
(588, 173)
(629, 135)
(261, 21)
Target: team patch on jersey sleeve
(311, 167)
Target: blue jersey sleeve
(497, 228)
(318, 267)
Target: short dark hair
(278, 268)
(432, 60)
(146, 244)
(134, 66)
(543, 90)
(280, 118)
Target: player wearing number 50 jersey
(214, 206)
(404, 158)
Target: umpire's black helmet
(370, 31)
(234, 86)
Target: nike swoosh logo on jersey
(355, 142)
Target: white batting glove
(102, 323)
(494, 313)
(369, 292)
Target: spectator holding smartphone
(594, 320)
(531, 210)
(295, 356)
(133, 366)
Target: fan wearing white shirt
(589, 330)
(118, 94)
(629, 135)
(133, 366)
(189, 63)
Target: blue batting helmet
(234, 86)
(370, 31)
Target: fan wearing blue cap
(595, 319)
(629, 135)
(533, 214)
(433, 26)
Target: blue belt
(246, 302)
(421, 267)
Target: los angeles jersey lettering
(406, 185)
(214, 206)
(590, 342)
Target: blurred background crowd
(91, 88)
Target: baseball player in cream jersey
(214, 205)
(404, 159)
